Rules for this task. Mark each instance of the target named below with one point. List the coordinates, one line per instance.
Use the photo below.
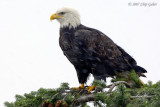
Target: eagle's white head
(67, 17)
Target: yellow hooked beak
(55, 16)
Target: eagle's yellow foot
(90, 88)
(78, 88)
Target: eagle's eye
(62, 13)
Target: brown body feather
(91, 51)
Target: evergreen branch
(146, 96)
(92, 97)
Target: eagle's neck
(70, 23)
(69, 30)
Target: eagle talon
(90, 88)
(76, 88)
(79, 88)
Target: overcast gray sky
(30, 56)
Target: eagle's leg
(90, 88)
(81, 87)
(82, 74)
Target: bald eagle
(90, 50)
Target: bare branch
(141, 96)
(86, 98)
(115, 84)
